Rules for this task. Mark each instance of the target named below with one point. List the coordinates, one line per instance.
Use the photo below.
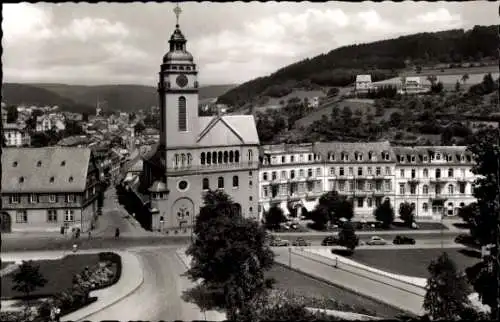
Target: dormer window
(51, 179)
(344, 156)
(450, 158)
(462, 158)
(370, 156)
(63, 163)
(426, 158)
(39, 164)
(401, 158)
(438, 156)
(14, 164)
(413, 158)
(21, 179)
(70, 179)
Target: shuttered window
(182, 114)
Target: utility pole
(290, 257)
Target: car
(403, 240)
(330, 241)
(278, 242)
(375, 240)
(301, 242)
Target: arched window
(450, 172)
(189, 159)
(425, 207)
(292, 174)
(182, 114)
(237, 156)
(231, 156)
(450, 189)
(214, 157)
(226, 156)
(202, 157)
(220, 183)
(209, 158)
(438, 173)
(219, 159)
(426, 173)
(206, 184)
(183, 160)
(235, 181)
(250, 156)
(425, 190)
(176, 161)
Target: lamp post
(290, 257)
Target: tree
(139, 127)
(332, 92)
(320, 216)
(457, 86)
(385, 213)
(465, 77)
(469, 213)
(347, 236)
(406, 213)
(432, 79)
(447, 136)
(437, 87)
(447, 290)
(27, 279)
(274, 217)
(230, 256)
(395, 119)
(12, 114)
(85, 117)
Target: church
(195, 153)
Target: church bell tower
(178, 93)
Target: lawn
(338, 298)
(411, 262)
(59, 274)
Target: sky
(233, 42)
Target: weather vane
(177, 11)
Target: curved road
(159, 297)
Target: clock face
(182, 80)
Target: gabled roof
(455, 152)
(50, 169)
(243, 127)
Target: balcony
(195, 169)
(413, 181)
(379, 193)
(438, 198)
(438, 180)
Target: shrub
(115, 260)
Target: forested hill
(382, 59)
(83, 99)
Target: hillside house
(363, 83)
(313, 102)
(46, 122)
(413, 85)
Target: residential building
(363, 83)
(16, 135)
(196, 153)
(436, 180)
(413, 85)
(295, 176)
(50, 121)
(313, 102)
(44, 189)
(4, 113)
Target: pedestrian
(90, 234)
(336, 261)
(58, 314)
(117, 233)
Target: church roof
(243, 126)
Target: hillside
(382, 59)
(79, 98)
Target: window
(283, 159)
(344, 157)
(202, 158)
(360, 171)
(219, 157)
(378, 171)
(369, 202)
(33, 198)
(341, 186)
(51, 180)
(370, 155)
(341, 171)
(413, 173)
(250, 183)
(426, 173)
(387, 171)
(370, 186)
(264, 176)
(71, 198)
(265, 192)
(68, 215)
(21, 179)
(425, 190)
(235, 182)
(369, 171)
(438, 189)
(292, 174)
(237, 156)
(461, 187)
(413, 189)
(52, 198)
(21, 216)
(182, 114)
(51, 215)
(360, 202)
(450, 172)
(351, 171)
(438, 156)
(39, 164)
(438, 173)
(309, 172)
(283, 174)
(401, 189)
(462, 172)
(14, 164)
(425, 207)
(250, 210)
(413, 158)
(14, 199)
(351, 185)
(301, 173)
(402, 173)
(250, 155)
(318, 172)
(274, 175)
(332, 171)
(70, 179)
(226, 157)
(425, 158)
(450, 189)
(310, 157)
(220, 183)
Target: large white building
(15, 135)
(48, 121)
(437, 180)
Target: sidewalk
(131, 279)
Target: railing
(213, 167)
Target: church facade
(196, 154)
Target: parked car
(403, 240)
(330, 241)
(375, 240)
(301, 242)
(278, 242)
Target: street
(159, 297)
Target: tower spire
(177, 11)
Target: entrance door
(5, 223)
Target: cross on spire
(177, 11)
